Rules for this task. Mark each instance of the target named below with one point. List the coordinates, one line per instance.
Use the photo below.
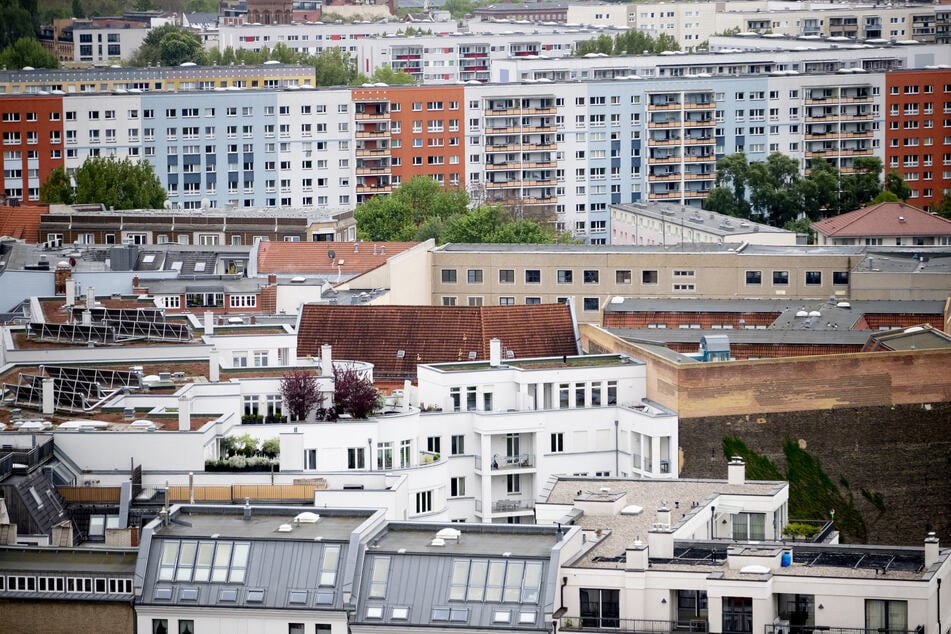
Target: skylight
(401, 613)
(297, 597)
(189, 594)
(526, 617)
(255, 596)
(501, 616)
(323, 597)
(375, 612)
(441, 614)
(228, 594)
(460, 615)
(163, 593)
(199, 267)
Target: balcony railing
(630, 626)
(781, 628)
(521, 461)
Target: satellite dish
(331, 254)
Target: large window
(424, 501)
(356, 458)
(565, 276)
(495, 581)
(507, 276)
(601, 608)
(458, 445)
(692, 607)
(886, 616)
(737, 615)
(219, 561)
(533, 276)
(448, 276)
(749, 526)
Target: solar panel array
(120, 314)
(71, 333)
(150, 331)
(109, 331)
(74, 389)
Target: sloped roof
(22, 223)
(884, 219)
(433, 334)
(314, 257)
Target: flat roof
(229, 522)
(93, 560)
(476, 540)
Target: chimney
(247, 508)
(70, 292)
(495, 352)
(214, 368)
(135, 282)
(62, 534)
(636, 556)
(932, 548)
(185, 412)
(736, 471)
(209, 322)
(90, 297)
(271, 278)
(663, 517)
(326, 360)
(87, 317)
(49, 396)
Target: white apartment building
(99, 45)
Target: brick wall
(42, 617)
(902, 452)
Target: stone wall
(902, 452)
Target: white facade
(105, 45)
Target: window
(506, 276)
(506, 301)
(565, 276)
(649, 277)
(754, 277)
(622, 277)
(780, 278)
(592, 276)
(513, 483)
(356, 458)
(813, 278)
(737, 615)
(159, 626)
(591, 303)
(533, 276)
(424, 501)
(186, 626)
(886, 616)
(474, 276)
(384, 455)
(601, 608)
(457, 445)
(557, 442)
(749, 526)
(448, 276)
(457, 487)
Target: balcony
(632, 626)
(672, 105)
(774, 628)
(372, 116)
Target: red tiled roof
(433, 334)
(314, 257)
(884, 219)
(22, 223)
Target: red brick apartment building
(32, 144)
(405, 131)
(918, 132)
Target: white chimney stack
(736, 471)
(90, 297)
(209, 322)
(326, 360)
(495, 352)
(70, 292)
(214, 368)
(932, 548)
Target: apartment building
(32, 145)
(119, 80)
(106, 41)
(918, 137)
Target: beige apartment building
(590, 277)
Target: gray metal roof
(745, 336)
(686, 305)
(907, 260)
(709, 221)
(705, 247)
(90, 561)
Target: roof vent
(632, 509)
(285, 528)
(843, 305)
(901, 219)
(801, 313)
(438, 541)
(307, 518)
(815, 313)
(448, 533)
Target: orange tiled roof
(433, 334)
(22, 223)
(314, 257)
(884, 219)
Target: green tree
(335, 67)
(885, 196)
(27, 51)
(943, 207)
(819, 190)
(733, 175)
(774, 188)
(169, 45)
(863, 184)
(16, 21)
(896, 185)
(78, 10)
(118, 184)
(458, 8)
(400, 215)
(386, 75)
(56, 188)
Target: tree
(399, 216)
(56, 188)
(354, 394)
(118, 184)
(885, 196)
(458, 8)
(733, 173)
(943, 206)
(863, 184)
(819, 190)
(896, 185)
(774, 188)
(27, 51)
(386, 75)
(16, 21)
(78, 10)
(169, 45)
(335, 67)
(301, 392)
